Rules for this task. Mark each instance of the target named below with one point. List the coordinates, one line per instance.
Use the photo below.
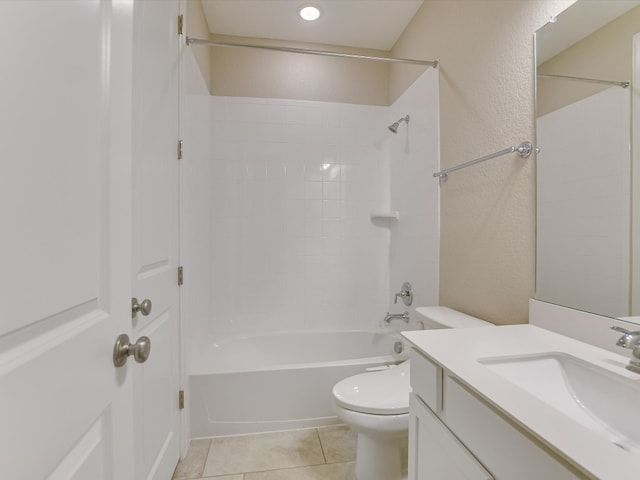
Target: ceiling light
(309, 12)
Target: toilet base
(379, 458)
(381, 451)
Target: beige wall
(605, 54)
(262, 73)
(196, 26)
(487, 241)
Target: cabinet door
(434, 452)
(506, 450)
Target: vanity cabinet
(434, 452)
(455, 435)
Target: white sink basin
(592, 396)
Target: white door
(65, 233)
(155, 235)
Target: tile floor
(325, 453)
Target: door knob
(144, 308)
(123, 349)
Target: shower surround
(288, 188)
(294, 183)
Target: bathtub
(280, 381)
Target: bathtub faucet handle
(400, 316)
(405, 294)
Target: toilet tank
(445, 317)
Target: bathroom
(468, 242)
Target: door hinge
(179, 149)
(180, 276)
(180, 24)
(181, 399)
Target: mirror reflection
(585, 77)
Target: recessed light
(309, 12)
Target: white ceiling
(357, 23)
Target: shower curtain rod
(589, 80)
(212, 43)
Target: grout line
(206, 459)
(244, 474)
(321, 447)
(281, 469)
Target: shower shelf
(387, 215)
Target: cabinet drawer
(434, 452)
(504, 449)
(426, 380)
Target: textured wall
(487, 242)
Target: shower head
(394, 126)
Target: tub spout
(400, 316)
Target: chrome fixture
(624, 84)
(400, 316)
(123, 349)
(405, 294)
(394, 127)
(630, 340)
(144, 308)
(213, 43)
(524, 150)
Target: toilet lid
(381, 393)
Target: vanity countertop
(458, 351)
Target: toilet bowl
(376, 406)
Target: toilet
(376, 405)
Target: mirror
(585, 197)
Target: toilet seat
(379, 393)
